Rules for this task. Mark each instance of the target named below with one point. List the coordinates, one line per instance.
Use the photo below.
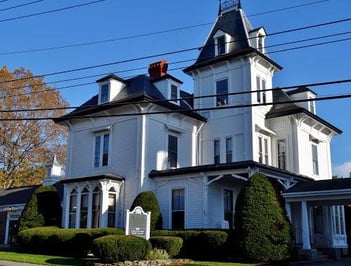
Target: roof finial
(229, 4)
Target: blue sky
(133, 30)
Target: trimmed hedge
(171, 244)
(117, 248)
(58, 241)
(199, 244)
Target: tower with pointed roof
(233, 65)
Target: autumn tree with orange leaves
(28, 137)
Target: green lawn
(13, 255)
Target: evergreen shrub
(43, 209)
(58, 241)
(262, 226)
(171, 244)
(148, 201)
(116, 248)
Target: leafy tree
(262, 226)
(148, 201)
(27, 138)
(43, 209)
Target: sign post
(138, 223)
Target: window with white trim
(263, 149)
(222, 92)
(315, 163)
(220, 43)
(102, 149)
(229, 149)
(84, 204)
(96, 208)
(216, 151)
(72, 208)
(282, 154)
(178, 208)
(261, 90)
(112, 206)
(104, 93)
(172, 151)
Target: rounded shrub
(148, 201)
(171, 244)
(43, 209)
(260, 221)
(116, 248)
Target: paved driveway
(340, 262)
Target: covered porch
(316, 210)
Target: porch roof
(92, 178)
(326, 192)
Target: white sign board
(138, 223)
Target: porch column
(306, 243)
(288, 210)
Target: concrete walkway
(339, 262)
(15, 263)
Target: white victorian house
(196, 151)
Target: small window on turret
(104, 93)
(221, 45)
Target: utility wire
(157, 101)
(50, 11)
(22, 5)
(144, 34)
(223, 107)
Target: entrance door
(228, 207)
(338, 226)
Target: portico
(317, 213)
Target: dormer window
(260, 43)
(222, 43)
(104, 93)
(174, 93)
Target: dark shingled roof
(321, 185)
(236, 24)
(288, 107)
(21, 195)
(139, 88)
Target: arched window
(73, 208)
(84, 204)
(112, 197)
(96, 208)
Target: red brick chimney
(158, 69)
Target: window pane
(172, 151)
(84, 209)
(228, 207)
(282, 154)
(97, 151)
(105, 149)
(315, 159)
(221, 45)
(104, 93)
(260, 150)
(229, 147)
(72, 210)
(96, 210)
(178, 209)
(222, 92)
(217, 152)
(111, 209)
(258, 89)
(174, 92)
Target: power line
(156, 101)
(223, 107)
(21, 5)
(144, 34)
(50, 11)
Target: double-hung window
(222, 92)
(220, 45)
(282, 154)
(261, 90)
(229, 149)
(104, 93)
(178, 208)
(111, 217)
(84, 204)
(174, 92)
(216, 151)
(102, 147)
(315, 159)
(172, 151)
(263, 150)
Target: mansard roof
(235, 24)
(288, 107)
(138, 89)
